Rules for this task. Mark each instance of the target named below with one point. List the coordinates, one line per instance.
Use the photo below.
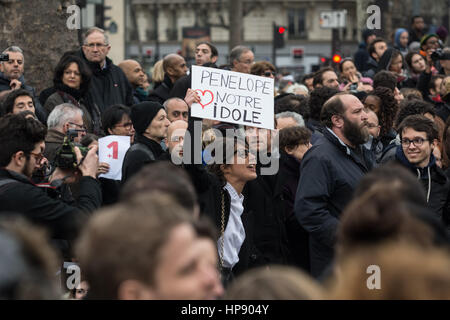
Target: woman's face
(72, 76)
(404, 37)
(373, 103)
(396, 64)
(243, 167)
(418, 63)
(348, 69)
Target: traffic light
(278, 36)
(337, 58)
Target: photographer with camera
(21, 151)
(63, 118)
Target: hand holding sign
(206, 97)
(191, 97)
(112, 150)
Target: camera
(66, 157)
(354, 86)
(439, 54)
(4, 57)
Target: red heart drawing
(203, 94)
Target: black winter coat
(142, 152)
(298, 238)
(210, 190)
(162, 93)
(108, 86)
(62, 220)
(264, 197)
(330, 173)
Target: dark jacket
(162, 93)
(142, 152)
(361, 57)
(437, 191)
(108, 86)
(210, 190)
(372, 67)
(62, 220)
(39, 110)
(60, 97)
(264, 196)
(422, 85)
(181, 86)
(330, 173)
(316, 129)
(298, 238)
(53, 141)
(443, 108)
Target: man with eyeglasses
(63, 118)
(109, 85)
(21, 151)
(241, 59)
(419, 136)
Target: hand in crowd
(103, 168)
(89, 166)
(191, 97)
(15, 84)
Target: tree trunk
(39, 28)
(235, 10)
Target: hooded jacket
(434, 181)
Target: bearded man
(331, 170)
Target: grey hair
(96, 29)
(294, 115)
(61, 114)
(236, 53)
(166, 103)
(13, 49)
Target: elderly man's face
(95, 48)
(13, 68)
(244, 63)
(175, 137)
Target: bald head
(175, 136)
(174, 66)
(133, 71)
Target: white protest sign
(233, 97)
(112, 149)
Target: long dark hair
(64, 63)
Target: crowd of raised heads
(358, 206)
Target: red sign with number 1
(115, 146)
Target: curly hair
(388, 108)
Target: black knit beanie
(143, 113)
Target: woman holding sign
(220, 194)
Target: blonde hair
(158, 72)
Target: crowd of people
(363, 179)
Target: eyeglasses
(417, 142)
(82, 128)
(246, 62)
(93, 45)
(127, 125)
(269, 73)
(37, 156)
(176, 139)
